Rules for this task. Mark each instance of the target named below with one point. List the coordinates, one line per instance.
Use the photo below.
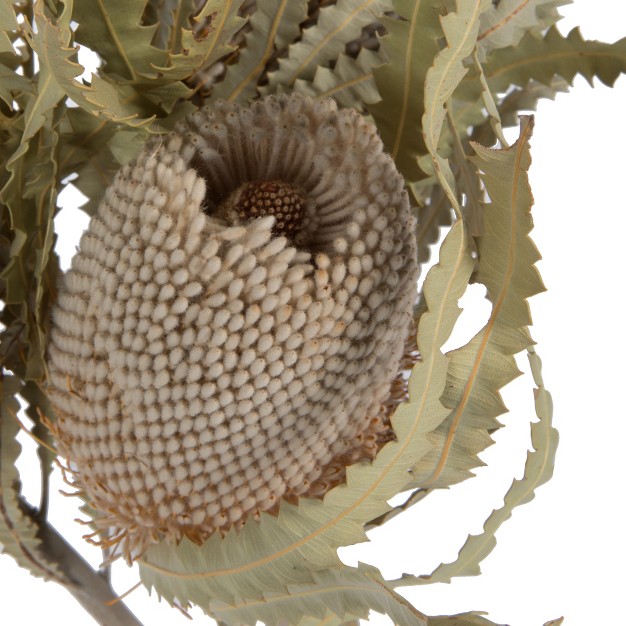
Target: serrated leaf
(410, 47)
(337, 24)
(18, 528)
(113, 29)
(468, 182)
(169, 17)
(115, 102)
(351, 82)
(130, 74)
(433, 213)
(461, 619)
(506, 22)
(12, 87)
(48, 92)
(275, 24)
(200, 53)
(95, 150)
(462, 117)
(30, 274)
(527, 97)
(481, 368)
(39, 407)
(268, 555)
(346, 591)
(538, 471)
(519, 99)
(8, 22)
(461, 31)
(541, 59)
(52, 43)
(329, 620)
(435, 201)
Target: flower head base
(234, 319)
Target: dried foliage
(439, 80)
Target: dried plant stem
(90, 588)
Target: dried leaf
(468, 180)
(48, 92)
(275, 24)
(95, 150)
(351, 82)
(52, 43)
(18, 525)
(410, 47)
(8, 22)
(518, 99)
(432, 215)
(202, 52)
(462, 619)
(30, 273)
(329, 619)
(506, 22)
(481, 368)
(13, 87)
(541, 59)
(538, 471)
(346, 591)
(113, 29)
(461, 30)
(170, 17)
(38, 406)
(337, 24)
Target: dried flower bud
(211, 353)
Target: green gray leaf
(274, 24)
(351, 82)
(462, 619)
(337, 24)
(8, 22)
(481, 368)
(346, 591)
(410, 46)
(52, 42)
(113, 29)
(542, 58)
(506, 22)
(18, 526)
(461, 31)
(200, 53)
(538, 471)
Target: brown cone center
(261, 198)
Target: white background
(562, 553)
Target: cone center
(261, 198)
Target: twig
(92, 590)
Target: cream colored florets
(206, 364)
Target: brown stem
(90, 588)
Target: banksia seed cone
(233, 320)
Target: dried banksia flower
(233, 321)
